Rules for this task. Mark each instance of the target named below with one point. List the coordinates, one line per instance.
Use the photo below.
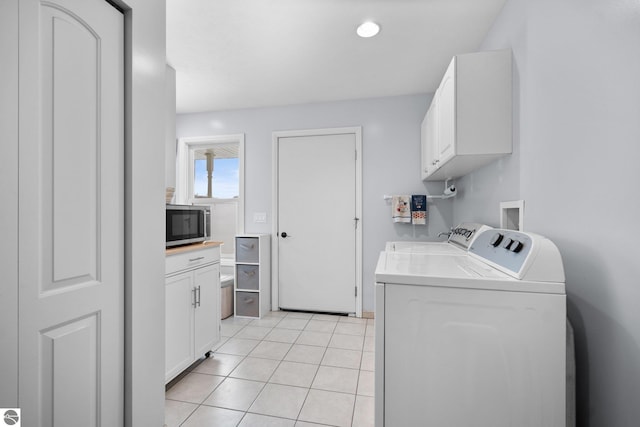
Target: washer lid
(452, 271)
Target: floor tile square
(371, 331)
(255, 420)
(230, 329)
(252, 368)
(326, 407)
(368, 361)
(253, 332)
(369, 344)
(299, 315)
(295, 374)
(210, 416)
(305, 354)
(320, 326)
(270, 350)
(342, 358)
(266, 322)
(194, 387)
(176, 412)
(365, 384)
(292, 323)
(238, 346)
(364, 412)
(349, 328)
(336, 379)
(218, 364)
(352, 319)
(280, 401)
(235, 393)
(279, 314)
(236, 321)
(283, 335)
(347, 342)
(314, 338)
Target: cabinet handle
(247, 247)
(249, 273)
(198, 300)
(195, 302)
(196, 259)
(248, 300)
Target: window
(216, 173)
(209, 171)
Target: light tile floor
(287, 369)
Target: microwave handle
(207, 223)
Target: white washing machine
(458, 242)
(474, 340)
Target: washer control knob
(496, 239)
(516, 246)
(507, 243)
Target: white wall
(575, 163)
(391, 162)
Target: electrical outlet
(260, 217)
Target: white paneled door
(317, 222)
(71, 170)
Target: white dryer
(475, 340)
(458, 241)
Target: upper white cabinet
(469, 121)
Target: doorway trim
(357, 132)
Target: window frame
(185, 157)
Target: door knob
(283, 234)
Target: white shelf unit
(252, 284)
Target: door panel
(316, 208)
(71, 231)
(207, 313)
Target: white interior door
(71, 231)
(317, 225)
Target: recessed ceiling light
(368, 29)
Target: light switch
(260, 217)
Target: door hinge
(356, 155)
(356, 219)
(356, 291)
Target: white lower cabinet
(192, 322)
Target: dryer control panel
(465, 233)
(519, 254)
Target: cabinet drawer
(247, 249)
(247, 304)
(191, 259)
(247, 277)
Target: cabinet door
(207, 311)
(446, 116)
(429, 140)
(178, 323)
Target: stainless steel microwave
(187, 224)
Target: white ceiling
(231, 54)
